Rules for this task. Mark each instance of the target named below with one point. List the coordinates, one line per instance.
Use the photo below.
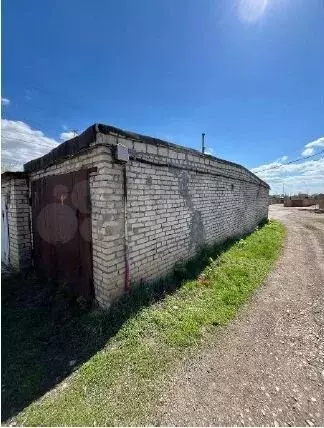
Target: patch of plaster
(197, 230)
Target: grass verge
(121, 383)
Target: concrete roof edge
(73, 146)
(156, 141)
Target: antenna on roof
(203, 143)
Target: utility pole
(203, 143)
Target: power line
(289, 163)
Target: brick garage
(152, 204)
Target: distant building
(321, 203)
(276, 200)
(299, 201)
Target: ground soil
(266, 367)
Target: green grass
(121, 383)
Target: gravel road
(266, 367)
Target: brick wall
(173, 212)
(177, 200)
(15, 190)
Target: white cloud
(67, 135)
(308, 152)
(316, 143)
(5, 101)
(20, 144)
(304, 176)
(310, 148)
(283, 158)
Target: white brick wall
(16, 191)
(177, 201)
(172, 212)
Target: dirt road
(267, 367)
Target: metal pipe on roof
(203, 143)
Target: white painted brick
(170, 211)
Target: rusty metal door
(62, 229)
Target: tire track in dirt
(267, 366)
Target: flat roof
(77, 144)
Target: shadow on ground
(47, 334)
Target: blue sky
(248, 73)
